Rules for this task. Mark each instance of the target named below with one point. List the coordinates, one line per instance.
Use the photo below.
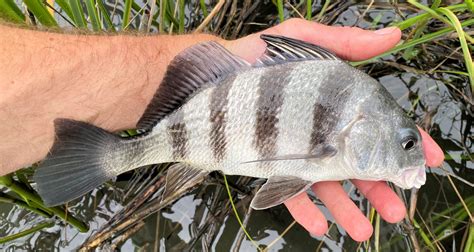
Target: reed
(433, 228)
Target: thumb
(349, 43)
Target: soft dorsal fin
(282, 49)
(195, 67)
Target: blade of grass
(175, 12)
(30, 196)
(92, 12)
(323, 10)
(296, 11)
(454, 209)
(26, 232)
(450, 224)
(50, 3)
(470, 240)
(139, 9)
(208, 19)
(432, 12)
(377, 233)
(424, 236)
(438, 16)
(41, 13)
(281, 15)
(10, 11)
(280, 236)
(371, 217)
(66, 7)
(461, 199)
(411, 21)
(470, 5)
(447, 156)
(237, 214)
(170, 15)
(105, 14)
(309, 9)
(78, 14)
(462, 40)
(162, 14)
(151, 18)
(414, 42)
(65, 16)
(5, 198)
(203, 8)
(181, 16)
(434, 241)
(126, 14)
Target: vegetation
(437, 45)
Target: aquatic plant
(437, 45)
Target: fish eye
(409, 139)
(408, 143)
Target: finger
(383, 199)
(346, 213)
(350, 43)
(307, 214)
(433, 153)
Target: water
(196, 220)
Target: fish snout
(413, 177)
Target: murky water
(196, 222)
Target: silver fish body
(294, 120)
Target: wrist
(104, 80)
(146, 59)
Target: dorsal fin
(195, 67)
(282, 49)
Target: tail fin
(76, 163)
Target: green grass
(31, 198)
(26, 232)
(170, 18)
(281, 15)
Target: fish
(296, 116)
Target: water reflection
(194, 219)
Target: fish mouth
(412, 177)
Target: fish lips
(412, 177)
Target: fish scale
(299, 96)
(218, 109)
(298, 116)
(240, 136)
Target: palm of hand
(351, 44)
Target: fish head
(384, 143)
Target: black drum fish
(299, 115)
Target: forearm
(104, 80)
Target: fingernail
(385, 31)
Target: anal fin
(277, 190)
(180, 178)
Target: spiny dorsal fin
(195, 67)
(282, 49)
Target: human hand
(352, 44)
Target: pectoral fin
(277, 190)
(320, 153)
(181, 177)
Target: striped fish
(297, 116)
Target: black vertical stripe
(178, 136)
(270, 100)
(218, 109)
(332, 97)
